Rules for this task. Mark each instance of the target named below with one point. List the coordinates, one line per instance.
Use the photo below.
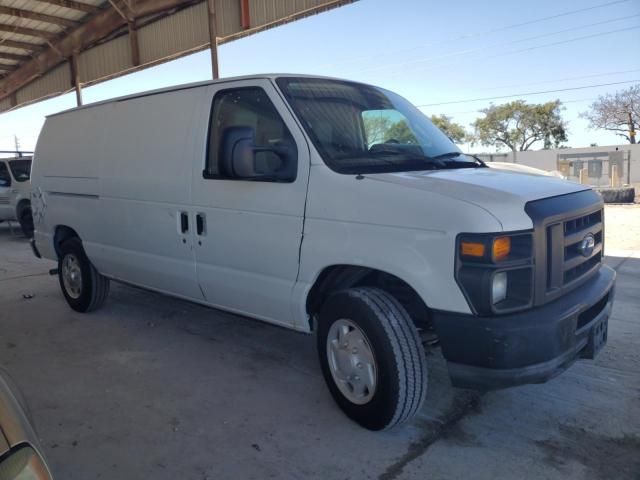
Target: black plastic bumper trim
(531, 346)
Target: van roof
(187, 86)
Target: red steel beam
(107, 22)
(31, 47)
(98, 27)
(72, 5)
(31, 32)
(14, 57)
(41, 17)
(245, 14)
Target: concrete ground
(151, 387)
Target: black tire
(94, 288)
(399, 356)
(26, 222)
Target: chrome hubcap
(351, 361)
(72, 276)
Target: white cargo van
(15, 192)
(332, 207)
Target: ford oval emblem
(587, 245)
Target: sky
(433, 53)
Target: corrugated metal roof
(102, 60)
(39, 37)
(57, 80)
(189, 31)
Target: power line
(502, 44)
(451, 114)
(542, 82)
(562, 42)
(480, 34)
(583, 87)
(572, 12)
(510, 52)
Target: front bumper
(530, 346)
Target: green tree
(618, 113)
(381, 129)
(518, 125)
(454, 131)
(401, 132)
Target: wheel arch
(21, 206)
(334, 278)
(62, 233)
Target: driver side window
(387, 126)
(5, 178)
(248, 117)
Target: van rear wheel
(82, 286)
(372, 358)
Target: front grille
(559, 226)
(4, 201)
(566, 263)
(576, 264)
(581, 223)
(576, 273)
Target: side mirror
(4, 183)
(243, 159)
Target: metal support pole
(135, 46)
(213, 38)
(75, 78)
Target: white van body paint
(119, 173)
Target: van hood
(504, 194)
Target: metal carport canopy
(50, 47)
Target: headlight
(495, 271)
(499, 248)
(499, 287)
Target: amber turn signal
(472, 249)
(501, 248)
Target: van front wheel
(371, 357)
(82, 286)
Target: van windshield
(21, 170)
(359, 128)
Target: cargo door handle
(184, 222)
(200, 224)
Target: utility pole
(632, 129)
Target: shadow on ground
(155, 387)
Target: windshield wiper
(475, 160)
(446, 155)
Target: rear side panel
(64, 175)
(119, 174)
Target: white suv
(333, 207)
(15, 192)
